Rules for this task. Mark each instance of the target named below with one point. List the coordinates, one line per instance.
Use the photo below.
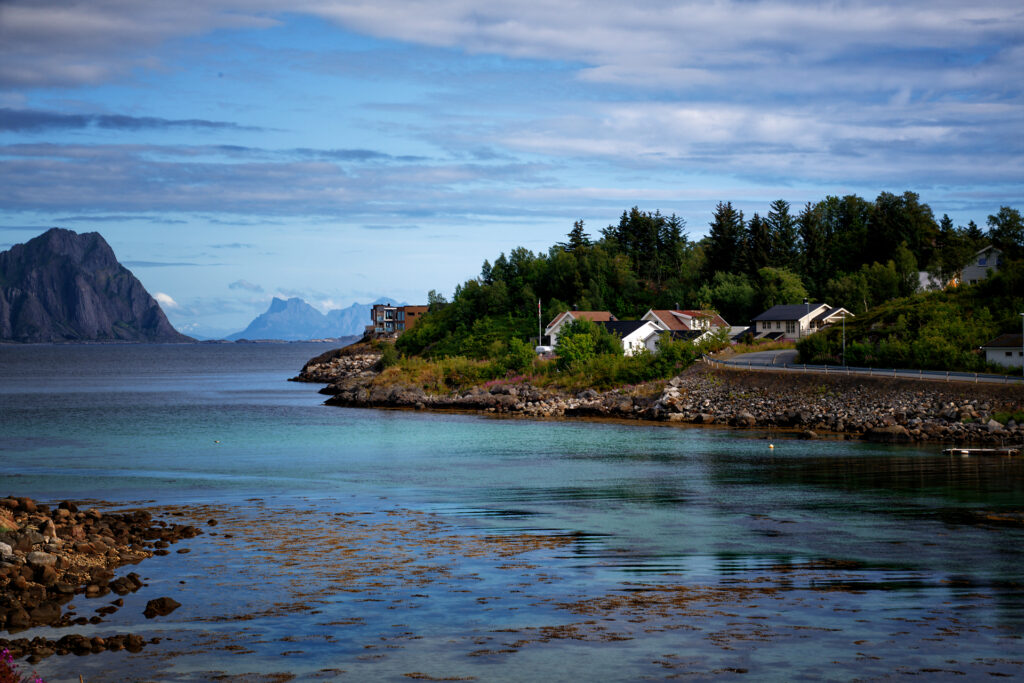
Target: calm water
(368, 544)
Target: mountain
(291, 320)
(295, 320)
(67, 287)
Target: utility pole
(540, 330)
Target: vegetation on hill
(928, 330)
(847, 251)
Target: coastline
(804, 406)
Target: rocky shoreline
(808, 406)
(49, 557)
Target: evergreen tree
(816, 239)
(578, 238)
(724, 252)
(759, 245)
(785, 251)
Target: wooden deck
(981, 451)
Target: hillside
(67, 287)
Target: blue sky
(232, 151)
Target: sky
(231, 151)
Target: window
(778, 324)
(1009, 354)
(389, 314)
(790, 326)
(401, 315)
(401, 326)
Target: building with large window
(390, 321)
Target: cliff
(67, 287)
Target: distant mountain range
(67, 287)
(295, 320)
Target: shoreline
(808, 406)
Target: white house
(563, 319)
(987, 259)
(1006, 349)
(636, 334)
(686, 321)
(795, 321)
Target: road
(785, 360)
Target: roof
(1006, 341)
(678, 320)
(743, 331)
(772, 335)
(716, 320)
(686, 335)
(595, 316)
(670, 320)
(831, 312)
(623, 328)
(787, 312)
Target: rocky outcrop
(66, 287)
(877, 409)
(47, 557)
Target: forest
(844, 251)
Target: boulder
(37, 559)
(160, 607)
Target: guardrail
(933, 375)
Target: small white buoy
(216, 441)
(771, 445)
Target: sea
(386, 545)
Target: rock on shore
(47, 557)
(879, 409)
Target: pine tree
(724, 251)
(578, 239)
(759, 245)
(785, 252)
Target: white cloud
(165, 300)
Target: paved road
(785, 360)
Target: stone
(160, 607)
(41, 559)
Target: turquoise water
(878, 559)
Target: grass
(763, 345)
(1006, 416)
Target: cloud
(161, 264)
(34, 121)
(396, 226)
(119, 218)
(165, 300)
(232, 245)
(246, 285)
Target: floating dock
(981, 451)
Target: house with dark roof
(1006, 350)
(795, 321)
(563, 319)
(636, 335)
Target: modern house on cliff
(391, 321)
